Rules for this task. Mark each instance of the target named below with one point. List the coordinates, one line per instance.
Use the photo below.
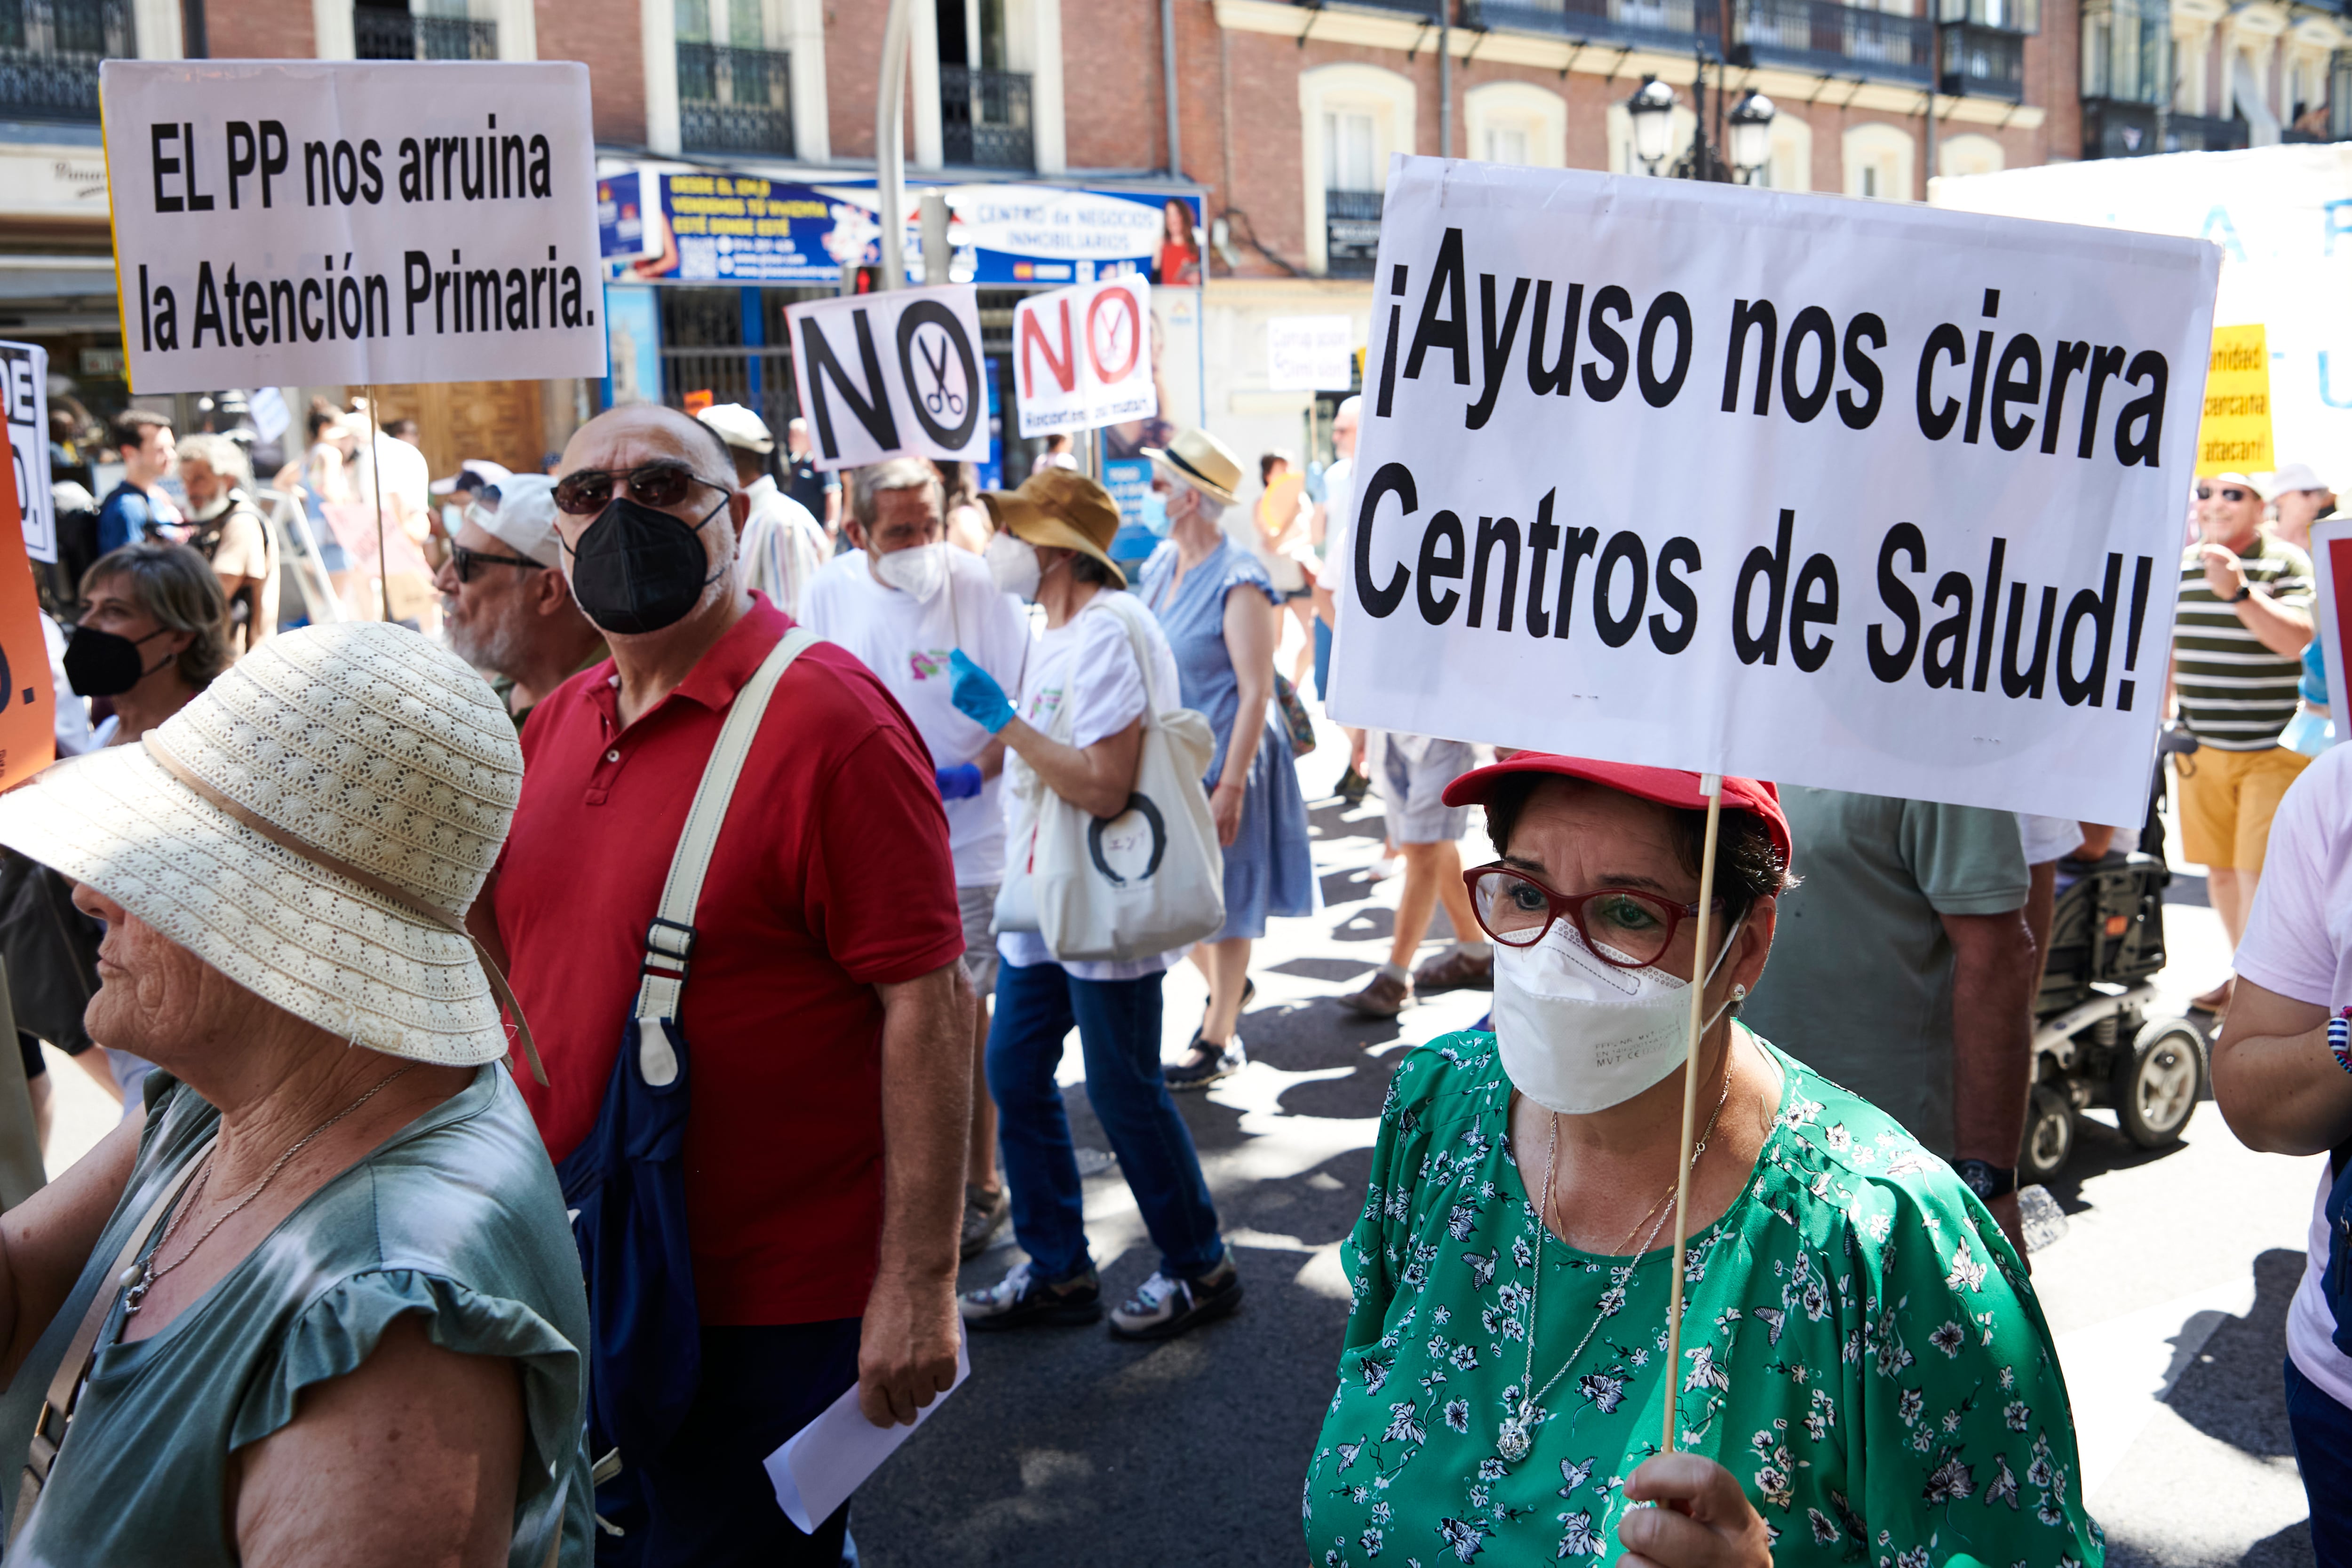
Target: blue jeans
(1119, 1029)
(2323, 1451)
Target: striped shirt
(2236, 695)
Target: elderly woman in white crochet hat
(325, 1293)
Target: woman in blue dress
(1219, 608)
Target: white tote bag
(1142, 882)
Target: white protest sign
(1082, 357)
(882, 375)
(306, 222)
(1848, 494)
(1309, 353)
(2331, 569)
(24, 399)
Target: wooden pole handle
(1712, 784)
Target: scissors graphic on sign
(940, 400)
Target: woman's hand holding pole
(1702, 1519)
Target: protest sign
(25, 398)
(1863, 496)
(2234, 436)
(29, 702)
(2331, 568)
(885, 374)
(1081, 357)
(304, 223)
(1309, 353)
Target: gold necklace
(1516, 1437)
(140, 1278)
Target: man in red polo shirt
(829, 1037)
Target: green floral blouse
(1860, 1348)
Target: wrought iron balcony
(1836, 40)
(734, 101)
(1351, 233)
(1672, 24)
(984, 118)
(1984, 62)
(391, 36)
(49, 51)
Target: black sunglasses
(466, 560)
(2229, 493)
(660, 484)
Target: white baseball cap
(2295, 477)
(738, 426)
(525, 520)
(484, 471)
(2243, 481)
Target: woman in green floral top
(1865, 1378)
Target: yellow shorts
(2227, 801)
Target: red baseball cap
(1666, 786)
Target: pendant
(134, 1282)
(1513, 1442)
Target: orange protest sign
(28, 704)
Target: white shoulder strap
(1126, 607)
(669, 940)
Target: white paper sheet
(820, 1465)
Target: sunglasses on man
(466, 560)
(661, 484)
(2229, 493)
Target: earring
(1739, 993)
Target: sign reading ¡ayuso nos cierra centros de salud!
(1852, 494)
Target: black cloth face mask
(103, 665)
(640, 570)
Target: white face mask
(1013, 561)
(920, 571)
(1576, 1035)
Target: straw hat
(310, 825)
(1061, 510)
(1203, 461)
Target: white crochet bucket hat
(314, 825)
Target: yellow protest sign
(2235, 434)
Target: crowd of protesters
(793, 1104)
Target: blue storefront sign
(620, 217)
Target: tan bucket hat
(1060, 509)
(314, 825)
(1200, 460)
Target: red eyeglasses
(1622, 925)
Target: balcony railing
(1351, 233)
(1984, 62)
(1836, 40)
(389, 36)
(49, 51)
(1675, 24)
(984, 118)
(734, 101)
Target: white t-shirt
(2047, 838)
(1339, 510)
(906, 642)
(784, 547)
(2299, 944)
(1087, 665)
(406, 476)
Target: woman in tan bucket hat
(324, 1290)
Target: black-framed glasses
(2230, 492)
(1622, 925)
(661, 484)
(466, 560)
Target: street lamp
(1652, 110)
(1751, 134)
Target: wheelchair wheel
(2049, 1136)
(2156, 1085)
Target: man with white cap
(2238, 635)
(2299, 498)
(505, 602)
(783, 546)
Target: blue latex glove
(977, 695)
(960, 782)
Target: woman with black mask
(153, 632)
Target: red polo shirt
(831, 876)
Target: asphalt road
(2166, 1293)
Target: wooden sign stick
(1711, 784)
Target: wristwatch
(2245, 591)
(1988, 1182)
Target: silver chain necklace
(140, 1278)
(1516, 1437)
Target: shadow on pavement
(2099, 1150)
(2232, 1389)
